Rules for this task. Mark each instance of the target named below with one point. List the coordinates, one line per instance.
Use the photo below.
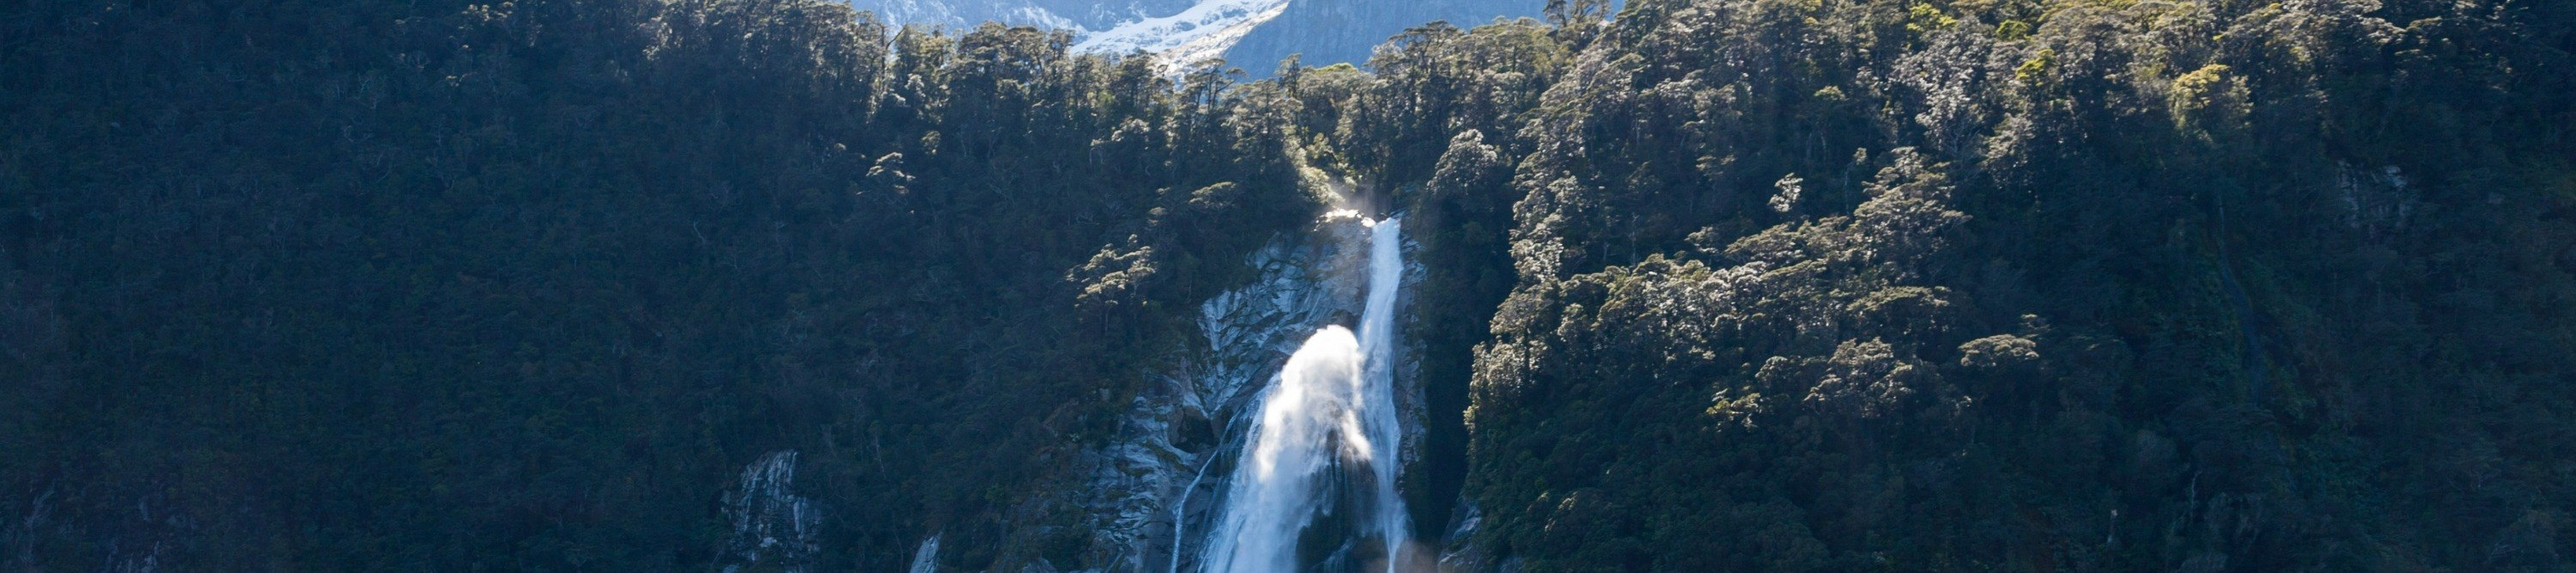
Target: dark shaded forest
(1712, 285)
(431, 286)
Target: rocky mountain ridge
(1250, 34)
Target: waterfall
(1333, 402)
(926, 558)
(1377, 332)
(772, 526)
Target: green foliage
(438, 286)
(2136, 286)
(1712, 285)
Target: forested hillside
(438, 286)
(1710, 285)
(2092, 285)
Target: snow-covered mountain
(1251, 34)
(1067, 14)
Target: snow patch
(1203, 31)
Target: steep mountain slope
(1326, 32)
(1065, 14)
(1251, 34)
(2060, 285)
(1716, 285)
(637, 287)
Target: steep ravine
(1154, 493)
(1308, 283)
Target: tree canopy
(1710, 285)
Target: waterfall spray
(1334, 401)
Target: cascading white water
(1377, 333)
(1274, 489)
(1334, 402)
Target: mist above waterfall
(1308, 422)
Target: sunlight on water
(1334, 403)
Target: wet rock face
(142, 534)
(926, 558)
(1146, 495)
(773, 528)
(1251, 331)
(1156, 475)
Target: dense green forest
(1711, 285)
(395, 286)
